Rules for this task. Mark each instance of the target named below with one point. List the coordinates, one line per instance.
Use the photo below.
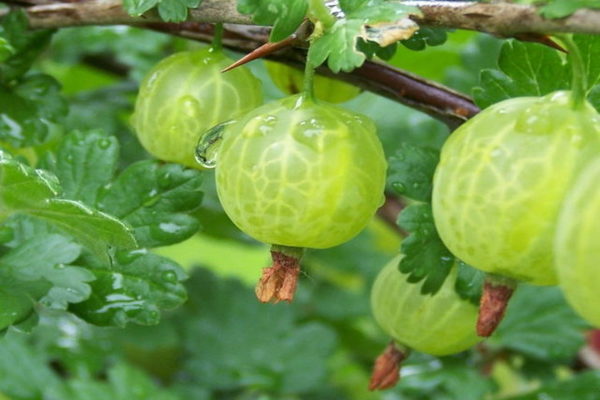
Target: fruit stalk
(579, 84)
(386, 371)
(278, 282)
(497, 291)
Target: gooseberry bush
(421, 200)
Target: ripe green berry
(577, 248)
(185, 95)
(300, 173)
(440, 324)
(502, 178)
(291, 81)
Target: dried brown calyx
(386, 371)
(278, 282)
(494, 300)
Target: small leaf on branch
(169, 10)
(529, 69)
(375, 21)
(284, 15)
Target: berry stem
(278, 282)
(579, 83)
(497, 291)
(308, 84)
(386, 371)
(217, 42)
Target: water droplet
(69, 158)
(169, 276)
(208, 146)
(104, 143)
(164, 179)
(127, 257)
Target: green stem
(217, 42)
(579, 84)
(318, 10)
(308, 84)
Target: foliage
(104, 293)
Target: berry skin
(185, 95)
(291, 81)
(502, 178)
(300, 173)
(441, 324)
(577, 247)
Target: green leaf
(28, 108)
(425, 256)
(338, 45)
(26, 44)
(285, 15)
(469, 282)
(424, 37)
(583, 386)
(411, 171)
(374, 11)
(272, 351)
(34, 192)
(135, 288)
(539, 324)
(155, 200)
(85, 162)
(44, 258)
(176, 10)
(138, 7)
(24, 371)
(124, 383)
(526, 69)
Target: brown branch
(499, 18)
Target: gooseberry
(502, 178)
(300, 173)
(438, 324)
(577, 248)
(185, 95)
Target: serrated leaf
(94, 229)
(411, 171)
(338, 46)
(285, 15)
(285, 357)
(583, 386)
(26, 44)
(44, 258)
(469, 282)
(85, 162)
(135, 288)
(155, 199)
(28, 107)
(526, 69)
(539, 324)
(24, 371)
(425, 256)
(34, 192)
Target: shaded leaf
(410, 171)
